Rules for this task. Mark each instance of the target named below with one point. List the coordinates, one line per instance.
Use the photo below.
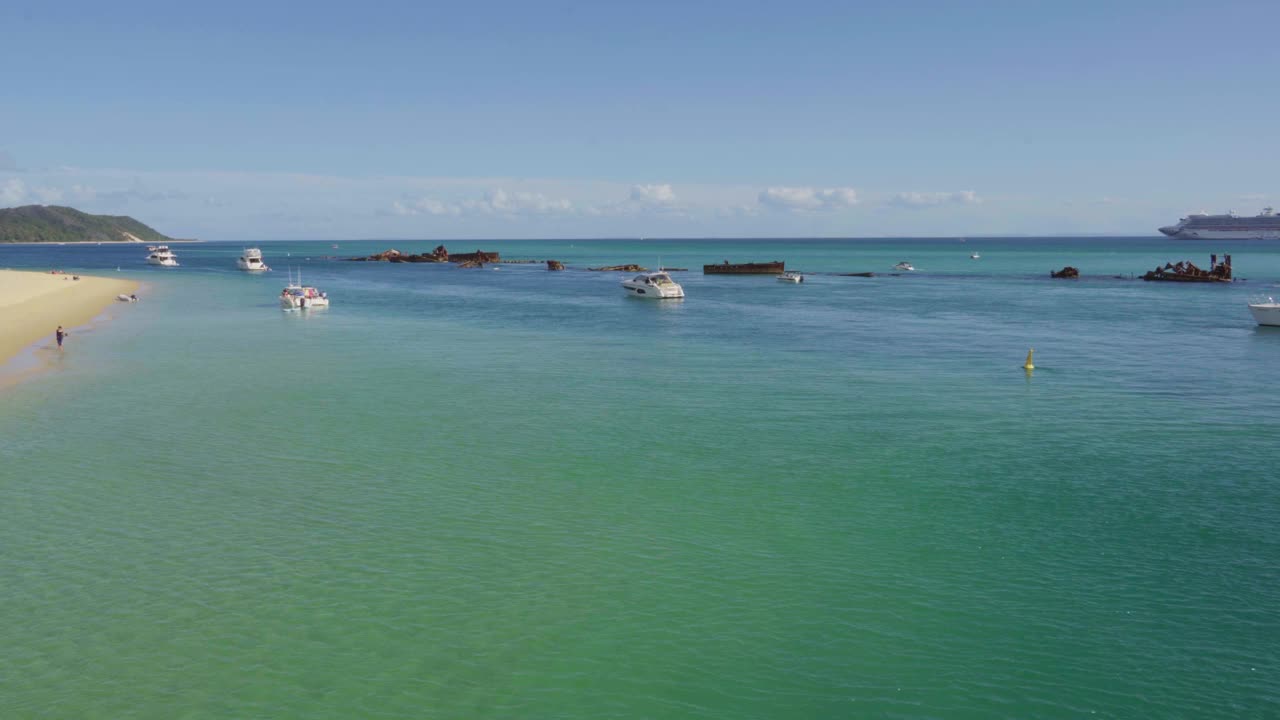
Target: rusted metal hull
(1187, 272)
(478, 256)
(769, 268)
(1169, 277)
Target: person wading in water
(60, 333)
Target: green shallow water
(521, 494)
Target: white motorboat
(791, 276)
(161, 255)
(297, 296)
(1266, 312)
(251, 261)
(974, 256)
(653, 285)
(904, 266)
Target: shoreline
(33, 304)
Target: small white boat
(791, 276)
(161, 255)
(974, 256)
(653, 285)
(251, 261)
(127, 298)
(297, 296)
(904, 266)
(1266, 312)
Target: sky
(436, 120)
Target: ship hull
(727, 268)
(1266, 314)
(1193, 234)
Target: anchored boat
(1266, 312)
(653, 286)
(297, 296)
(161, 255)
(251, 261)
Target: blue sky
(587, 119)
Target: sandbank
(34, 304)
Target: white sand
(34, 304)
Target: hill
(53, 223)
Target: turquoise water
(514, 493)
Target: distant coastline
(55, 224)
(103, 242)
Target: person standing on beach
(60, 333)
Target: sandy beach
(33, 304)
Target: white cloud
(17, 192)
(48, 195)
(658, 199)
(13, 193)
(808, 199)
(501, 201)
(739, 210)
(78, 193)
(268, 205)
(426, 206)
(932, 199)
(496, 202)
(653, 195)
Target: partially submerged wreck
(479, 256)
(727, 268)
(438, 255)
(1186, 271)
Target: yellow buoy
(1028, 365)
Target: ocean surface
(512, 493)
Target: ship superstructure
(1263, 226)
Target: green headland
(54, 224)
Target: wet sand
(34, 304)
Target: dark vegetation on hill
(53, 223)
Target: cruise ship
(1263, 226)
